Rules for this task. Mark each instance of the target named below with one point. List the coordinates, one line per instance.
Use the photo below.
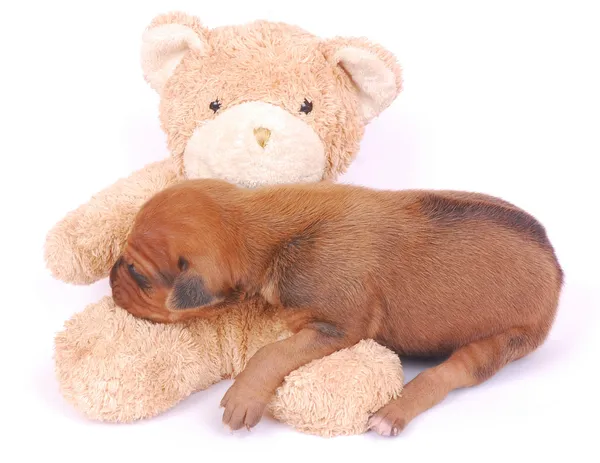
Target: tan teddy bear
(254, 104)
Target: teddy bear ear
(374, 72)
(166, 41)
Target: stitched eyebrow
(141, 280)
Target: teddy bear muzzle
(255, 143)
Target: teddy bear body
(255, 104)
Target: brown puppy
(421, 272)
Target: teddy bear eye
(215, 105)
(306, 107)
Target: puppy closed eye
(142, 281)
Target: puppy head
(174, 266)
(161, 294)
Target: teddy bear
(253, 104)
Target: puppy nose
(262, 136)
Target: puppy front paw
(244, 406)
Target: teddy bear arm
(81, 248)
(114, 367)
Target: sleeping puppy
(425, 273)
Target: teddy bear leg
(336, 395)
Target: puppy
(425, 273)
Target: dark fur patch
(295, 292)
(328, 329)
(484, 372)
(189, 292)
(448, 211)
(517, 341)
(295, 288)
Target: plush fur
(436, 273)
(255, 104)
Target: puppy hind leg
(468, 366)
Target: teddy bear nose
(262, 136)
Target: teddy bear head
(264, 102)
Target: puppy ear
(373, 71)
(166, 41)
(189, 292)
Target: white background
(500, 97)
